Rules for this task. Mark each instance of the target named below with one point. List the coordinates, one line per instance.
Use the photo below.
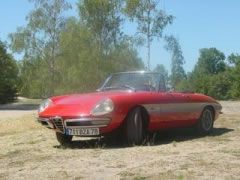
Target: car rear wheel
(63, 139)
(135, 127)
(205, 123)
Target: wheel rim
(207, 120)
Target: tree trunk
(148, 39)
(148, 53)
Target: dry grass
(29, 151)
(18, 125)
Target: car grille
(58, 122)
(79, 123)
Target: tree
(81, 64)
(177, 72)
(103, 19)
(234, 59)
(220, 85)
(150, 20)
(69, 51)
(33, 77)
(40, 38)
(209, 75)
(8, 76)
(211, 61)
(233, 72)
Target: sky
(197, 24)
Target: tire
(134, 127)
(205, 123)
(63, 139)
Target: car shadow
(20, 107)
(155, 139)
(184, 134)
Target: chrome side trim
(179, 107)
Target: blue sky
(198, 24)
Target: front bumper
(60, 124)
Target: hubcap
(207, 120)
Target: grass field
(29, 151)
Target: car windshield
(134, 81)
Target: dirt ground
(30, 151)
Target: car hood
(79, 104)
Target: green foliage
(211, 61)
(234, 73)
(75, 58)
(34, 78)
(75, 54)
(86, 66)
(103, 19)
(212, 76)
(8, 76)
(219, 86)
(234, 59)
(185, 85)
(40, 38)
(177, 72)
(208, 73)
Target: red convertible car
(135, 102)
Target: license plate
(83, 131)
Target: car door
(179, 107)
(171, 109)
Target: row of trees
(74, 54)
(215, 75)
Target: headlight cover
(44, 105)
(103, 107)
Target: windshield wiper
(119, 87)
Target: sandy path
(15, 111)
(14, 114)
(230, 107)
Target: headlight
(103, 107)
(44, 105)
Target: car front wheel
(205, 123)
(134, 127)
(63, 139)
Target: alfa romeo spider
(134, 102)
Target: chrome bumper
(45, 122)
(86, 122)
(59, 124)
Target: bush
(8, 76)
